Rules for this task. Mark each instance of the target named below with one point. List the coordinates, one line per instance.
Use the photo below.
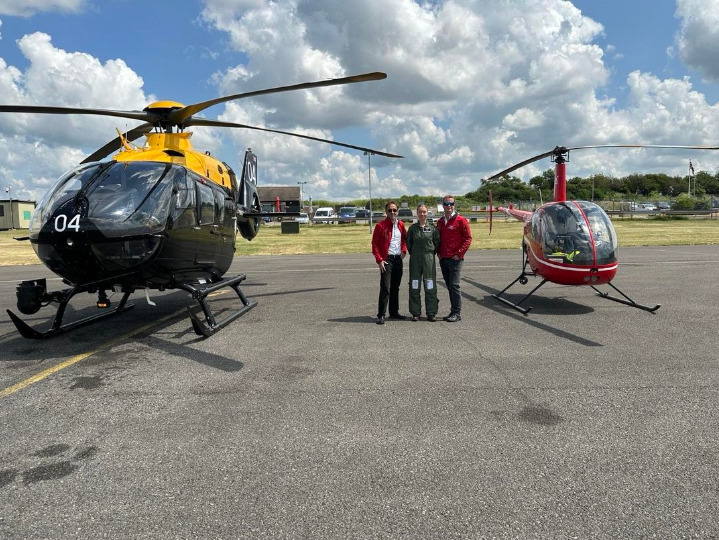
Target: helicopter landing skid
(523, 280)
(212, 325)
(57, 327)
(626, 300)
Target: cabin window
(535, 224)
(185, 214)
(220, 205)
(185, 187)
(207, 204)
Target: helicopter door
(209, 239)
(186, 228)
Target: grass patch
(357, 238)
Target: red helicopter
(569, 242)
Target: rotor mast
(559, 156)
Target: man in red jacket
(389, 247)
(454, 241)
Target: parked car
(326, 214)
(377, 216)
(405, 214)
(347, 214)
(663, 206)
(362, 213)
(303, 219)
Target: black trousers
(451, 272)
(389, 283)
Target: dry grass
(356, 238)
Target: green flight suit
(422, 244)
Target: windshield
(565, 234)
(119, 198)
(605, 238)
(575, 230)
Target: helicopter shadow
(491, 303)
(211, 360)
(364, 319)
(296, 291)
(171, 310)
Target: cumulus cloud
(698, 35)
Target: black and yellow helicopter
(161, 216)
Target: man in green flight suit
(422, 245)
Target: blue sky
(640, 35)
(157, 39)
(472, 87)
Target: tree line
(598, 187)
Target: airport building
(15, 214)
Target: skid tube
(212, 325)
(626, 300)
(523, 280)
(63, 297)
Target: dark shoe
(397, 317)
(454, 317)
(431, 318)
(380, 319)
(415, 318)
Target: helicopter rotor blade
(179, 116)
(38, 109)
(218, 123)
(519, 165)
(116, 143)
(563, 150)
(690, 147)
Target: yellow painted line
(80, 357)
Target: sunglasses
(392, 210)
(448, 203)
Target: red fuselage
(569, 242)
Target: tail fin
(249, 174)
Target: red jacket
(455, 236)
(382, 236)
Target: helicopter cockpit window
(67, 187)
(127, 196)
(565, 234)
(605, 239)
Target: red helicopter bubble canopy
(577, 232)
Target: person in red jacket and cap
(455, 238)
(389, 247)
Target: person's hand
(404, 254)
(455, 258)
(381, 267)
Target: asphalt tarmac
(304, 419)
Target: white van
(325, 214)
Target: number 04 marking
(61, 223)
